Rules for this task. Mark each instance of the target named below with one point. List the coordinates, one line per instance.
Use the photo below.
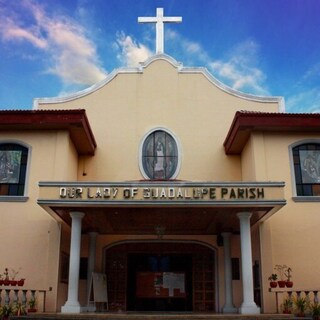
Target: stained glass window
(13, 166)
(159, 155)
(306, 159)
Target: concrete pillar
(248, 305)
(91, 264)
(72, 305)
(228, 306)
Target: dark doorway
(148, 276)
(147, 269)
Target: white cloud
(191, 49)
(304, 96)
(70, 54)
(239, 69)
(131, 53)
(13, 32)
(312, 73)
(305, 101)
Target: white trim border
(180, 69)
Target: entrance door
(161, 276)
(159, 282)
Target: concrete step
(152, 316)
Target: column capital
(244, 214)
(77, 214)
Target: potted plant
(287, 273)
(6, 280)
(32, 305)
(13, 275)
(280, 268)
(19, 309)
(5, 311)
(1, 280)
(287, 305)
(273, 280)
(315, 310)
(301, 305)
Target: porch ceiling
(173, 220)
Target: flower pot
(20, 282)
(1, 282)
(6, 282)
(13, 282)
(281, 284)
(273, 284)
(289, 284)
(31, 310)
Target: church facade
(184, 193)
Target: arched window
(159, 156)
(306, 159)
(13, 167)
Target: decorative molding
(306, 199)
(13, 199)
(155, 203)
(169, 183)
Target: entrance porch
(221, 216)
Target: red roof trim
(74, 121)
(244, 123)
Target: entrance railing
(15, 295)
(282, 294)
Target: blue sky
(264, 47)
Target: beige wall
(188, 104)
(289, 236)
(30, 238)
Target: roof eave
(74, 121)
(244, 123)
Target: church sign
(162, 192)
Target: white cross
(159, 20)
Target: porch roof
(179, 208)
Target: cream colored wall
(289, 237)
(33, 240)
(193, 108)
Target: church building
(162, 187)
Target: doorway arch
(131, 265)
